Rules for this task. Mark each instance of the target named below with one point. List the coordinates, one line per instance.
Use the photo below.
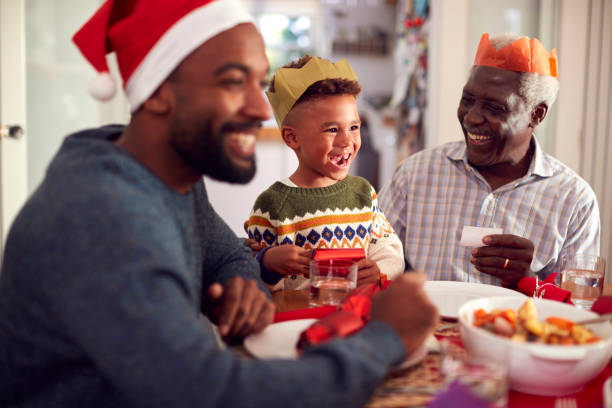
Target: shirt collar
(540, 164)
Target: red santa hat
(150, 38)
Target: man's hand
(367, 272)
(492, 258)
(405, 307)
(239, 308)
(288, 260)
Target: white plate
(278, 340)
(448, 296)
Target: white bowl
(538, 368)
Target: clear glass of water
(331, 280)
(583, 275)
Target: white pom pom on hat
(103, 87)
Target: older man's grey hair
(534, 88)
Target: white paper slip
(472, 236)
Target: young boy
(320, 205)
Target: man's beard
(204, 150)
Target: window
(287, 38)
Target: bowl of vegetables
(544, 350)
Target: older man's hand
(239, 308)
(507, 257)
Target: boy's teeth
(340, 159)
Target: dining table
(418, 385)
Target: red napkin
(602, 305)
(547, 290)
(352, 314)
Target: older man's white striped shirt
(435, 193)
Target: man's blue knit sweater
(101, 289)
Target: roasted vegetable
(524, 326)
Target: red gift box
(354, 254)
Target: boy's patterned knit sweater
(344, 215)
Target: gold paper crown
(291, 83)
(523, 55)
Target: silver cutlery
(602, 318)
(566, 402)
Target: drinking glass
(583, 275)
(331, 280)
(538, 286)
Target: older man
(498, 177)
(112, 259)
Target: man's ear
(161, 101)
(538, 113)
(290, 137)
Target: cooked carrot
(481, 317)
(480, 313)
(560, 322)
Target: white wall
(448, 69)
(583, 124)
(13, 170)
(375, 72)
(572, 57)
(57, 80)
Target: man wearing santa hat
(111, 261)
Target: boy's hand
(239, 308)
(253, 245)
(367, 272)
(250, 242)
(287, 260)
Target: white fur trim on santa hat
(178, 42)
(103, 87)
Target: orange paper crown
(523, 55)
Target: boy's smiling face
(325, 134)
